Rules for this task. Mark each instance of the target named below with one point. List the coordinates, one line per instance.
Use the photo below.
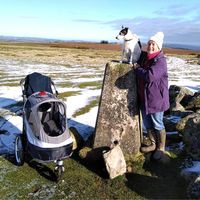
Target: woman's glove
(135, 65)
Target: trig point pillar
(118, 115)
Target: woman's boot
(152, 137)
(160, 151)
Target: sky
(91, 20)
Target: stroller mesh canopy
(36, 82)
(52, 118)
(46, 116)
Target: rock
(76, 137)
(176, 95)
(118, 115)
(115, 162)
(165, 158)
(193, 190)
(194, 102)
(170, 126)
(181, 114)
(180, 126)
(84, 152)
(191, 137)
(92, 154)
(176, 106)
(191, 174)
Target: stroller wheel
(19, 151)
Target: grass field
(77, 68)
(75, 53)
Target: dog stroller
(45, 136)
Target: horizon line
(29, 38)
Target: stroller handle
(54, 88)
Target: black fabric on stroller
(36, 82)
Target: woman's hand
(135, 65)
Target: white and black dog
(131, 48)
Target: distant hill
(28, 39)
(182, 46)
(49, 40)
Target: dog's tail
(140, 45)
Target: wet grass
(95, 84)
(18, 182)
(86, 108)
(68, 94)
(89, 180)
(83, 85)
(66, 84)
(10, 84)
(13, 81)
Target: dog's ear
(126, 30)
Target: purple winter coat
(155, 76)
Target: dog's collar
(128, 40)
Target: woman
(153, 93)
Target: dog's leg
(131, 58)
(122, 56)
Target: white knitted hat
(158, 38)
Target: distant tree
(104, 42)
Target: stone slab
(118, 114)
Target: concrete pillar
(118, 115)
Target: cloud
(180, 24)
(176, 29)
(87, 21)
(177, 10)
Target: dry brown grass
(57, 53)
(70, 53)
(190, 55)
(116, 47)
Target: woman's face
(152, 47)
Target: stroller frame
(27, 144)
